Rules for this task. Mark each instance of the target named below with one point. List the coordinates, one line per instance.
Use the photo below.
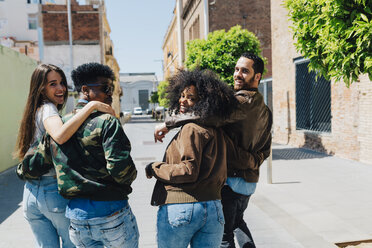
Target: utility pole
(162, 66)
(70, 34)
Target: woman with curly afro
(193, 172)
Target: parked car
(137, 111)
(127, 112)
(149, 111)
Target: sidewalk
(315, 200)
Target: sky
(138, 28)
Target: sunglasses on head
(105, 88)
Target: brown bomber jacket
(194, 167)
(249, 130)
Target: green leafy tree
(154, 98)
(220, 51)
(162, 87)
(335, 35)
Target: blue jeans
(44, 209)
(117, 230)
(199, 224)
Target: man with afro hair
(95, 170)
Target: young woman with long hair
(43, 207)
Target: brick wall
(351, 135)
(365, 119)
(85, 24)
(253, 15)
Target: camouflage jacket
(95, 163)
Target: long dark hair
(216, 98)
(34, 101)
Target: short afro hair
(216, 98)
(89, 73)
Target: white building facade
(137, 89)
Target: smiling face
(188, 98)
(101, 90)
(244, 76)
(55, 90)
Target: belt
(117, 212)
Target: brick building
(90, 38)
(324, 116)
(196, 18)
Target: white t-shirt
(45, 111)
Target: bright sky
(137, 31)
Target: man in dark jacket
(249, 128)
(95, 170)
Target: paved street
(315, 200)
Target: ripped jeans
(199, 224)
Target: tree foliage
(335, 35)
(162, 88)
(220, 51)
(154, 98)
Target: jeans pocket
(75, 236)
(219, 212)
(180, 214)
(115, 236)
(54, 201)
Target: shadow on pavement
(11, 192)
(296, 154)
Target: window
(33, 1)
(143, 97)
(194, 30)
(32, 22)
(3, 22)
(313, 100)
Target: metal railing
(313, 100)
(265, 87)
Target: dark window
(32, 22)
(313, 100)
(143, 96)
(34, 1)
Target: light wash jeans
(44, 209)
(118, 230)
(199, 224)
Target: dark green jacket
(95, 163)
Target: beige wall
(351, 135)
(170, 45)
(196, 11)
(15, 71)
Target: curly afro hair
(216, 98)
(89, 73)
